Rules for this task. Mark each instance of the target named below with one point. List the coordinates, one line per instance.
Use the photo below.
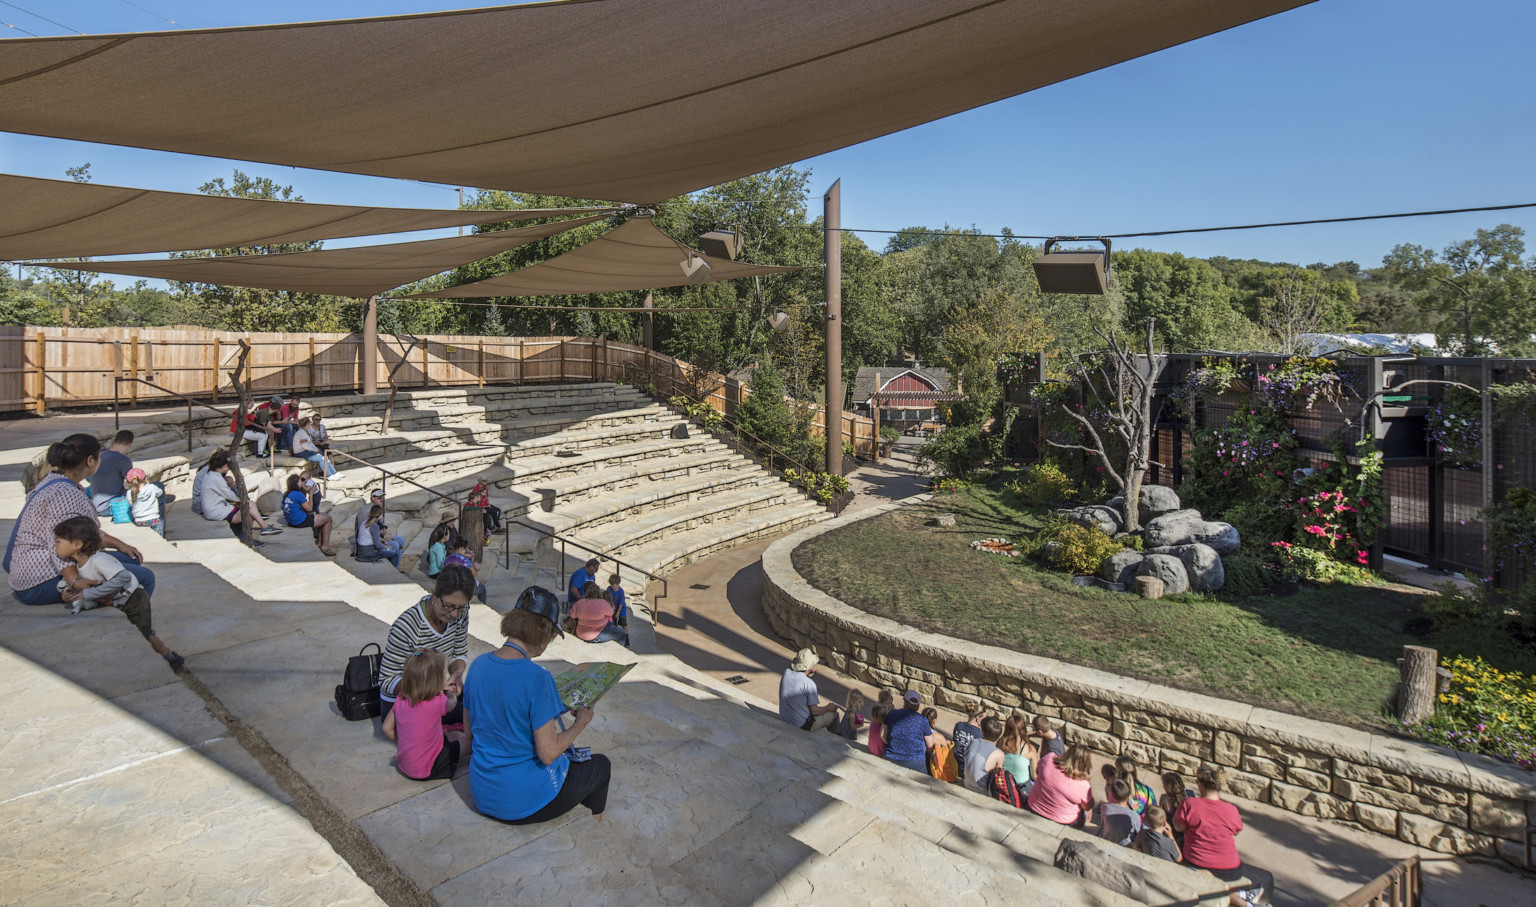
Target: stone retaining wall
(1425, 795)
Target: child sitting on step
(852, 721)
(429, 750)
(437, 550)
(620, 603)
(462, 555)
(1141, 795)
(1118, 819)
(1156, 838)
(145, 500)
(103, 579)
(876, 738)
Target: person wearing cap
(523, 769)
(286, 420)
(909, 736)
(439, 621)
(799, 702)
(259, 424)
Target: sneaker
(258, 545)
(175, 661)
(271, 530)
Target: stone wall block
(1108, 744)
(888, 663)
(1258, 765)
(838, 661)
(1309, 802)
(924, 660)
(1403, 803)
(1192, 732)
(1451, 796)
(1088, 720)
(951, 699)
(1498, 816)
(1246, 785)
(1006, 698)
(925, 690)
(960, 686)
(1371, 775)
(1143, 718)
(1099, 707)
(1200, 750)
(1229, 749)
(1138, 734)
(1287, 756)
(1309, 779)
(1438, 836)
(1175, 761)
(918, 675)
(1382, 821)
(1140, 752)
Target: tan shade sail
(597, 99)
(632, 256)
(60, 219)
(359, 271)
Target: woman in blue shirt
(519, 770)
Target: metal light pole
(647, 323)
(832, 222)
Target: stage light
(722, 243)
(1081, 271)
(779, 320)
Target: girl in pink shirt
(1062, 792)
(877, 728)
(428, 749)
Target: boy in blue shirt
(620, 608)
(580, 578)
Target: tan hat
(805, 659)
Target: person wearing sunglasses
(439, 621)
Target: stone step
(736, 509)
(672, 552)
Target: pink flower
(1363, 558)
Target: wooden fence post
(42, 385)
(480, 360)
(312, 384)
(213, 369)
(133, 371)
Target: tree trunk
(1416, 695)
(246, 405)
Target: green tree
(20, 303)
(1479, 289)
(1192, 304)
(245, 309)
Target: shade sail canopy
(61, 219)
(632, 256)
(681, 94)
(358, 271)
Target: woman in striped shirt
(440, 621)
(34, 569)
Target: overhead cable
(40, 16)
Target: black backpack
(357, 696)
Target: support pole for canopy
(832, 222)
(370, 354)
(648, 323)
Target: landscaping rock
(1156, 500)
(945, 519)
(1097, 516)
(1117, 504)
(1167, 568)
(1121, 567)
(1187, 527)
(1201, 563)
(1089, 862)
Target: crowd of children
(1028, 764)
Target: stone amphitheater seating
(603, 453)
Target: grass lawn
(1328, 652)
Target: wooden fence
(53, 367)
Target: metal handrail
(507, 563)
(390, 472)
(1400, 886)
(117, 417)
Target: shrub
(889, 434)
(1080, 550)
(949, 484)
(1485, 711)
(1315, 566)
(1043, 485)
(1247, 576)
(1132, 541)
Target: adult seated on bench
(439, 621)
(33, 566)
(387, 544)
(799, 703)
(217, 499)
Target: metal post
(1487, 458)
(833, 419)
(370, 352)
(648, 323)
(189, 426)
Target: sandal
(328, 552)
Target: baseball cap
(276, 400)
(539, 600)
(376, 493)
(913, 697)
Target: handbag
(121, 512)
(357, 696)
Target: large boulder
(1167, 568)
(1098, 865)
(1095, 516)
(1121, 567)
(1156, 500)
(1201, 563)
(1188, 527)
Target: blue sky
(1339, 108)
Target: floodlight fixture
(779, 320)
(722, 243)
(695, 268)
(1081, 271)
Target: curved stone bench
(1426, 795)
